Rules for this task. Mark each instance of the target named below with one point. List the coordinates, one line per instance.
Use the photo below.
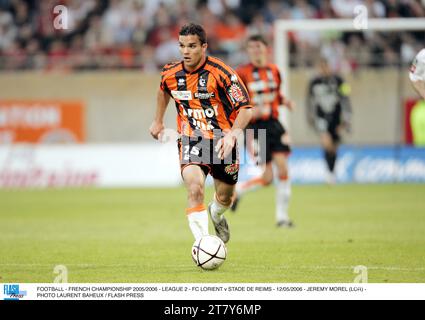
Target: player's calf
(195, 194)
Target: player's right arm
(236, 92)
(310, 104)
(162, 99)
(157, 125)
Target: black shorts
(329, 122)
(201, 152)
(264, 138)
(329, 125)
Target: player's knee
(327, 142)
(267, 180)
(267, 176)
(283, 173)
(224, 198)
(196, 192)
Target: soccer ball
(209, 252)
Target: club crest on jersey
(232, 168)
(202, 82)
(236, 93)
(181, 82)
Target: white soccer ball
(209, 252)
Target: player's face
(192, 51)
(257, 52)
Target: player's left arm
(344, 92)
(310, 104)
(238, 95)
(284, 100)
(157, 125)
(227, 143)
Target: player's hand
(291, 105)
(340, 129)
(346, 126)
(225, 145)
(156, 129)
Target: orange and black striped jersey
(208, 99)
(264, 88)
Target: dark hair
(258, 37)
(195, 30)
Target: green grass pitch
(142, 236)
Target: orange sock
(199, 208)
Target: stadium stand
(142, 34)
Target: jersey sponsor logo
(236, 93)
(182, 95)
(202, 126)
(195, 117)
(261, 85)
(232, 169)
(264, 98)
(204, 95)
(200, 114)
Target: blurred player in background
(417, 73)
(329, 112)
(212, 109)
(263, 80)
(417, 117)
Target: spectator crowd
(142, 34)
